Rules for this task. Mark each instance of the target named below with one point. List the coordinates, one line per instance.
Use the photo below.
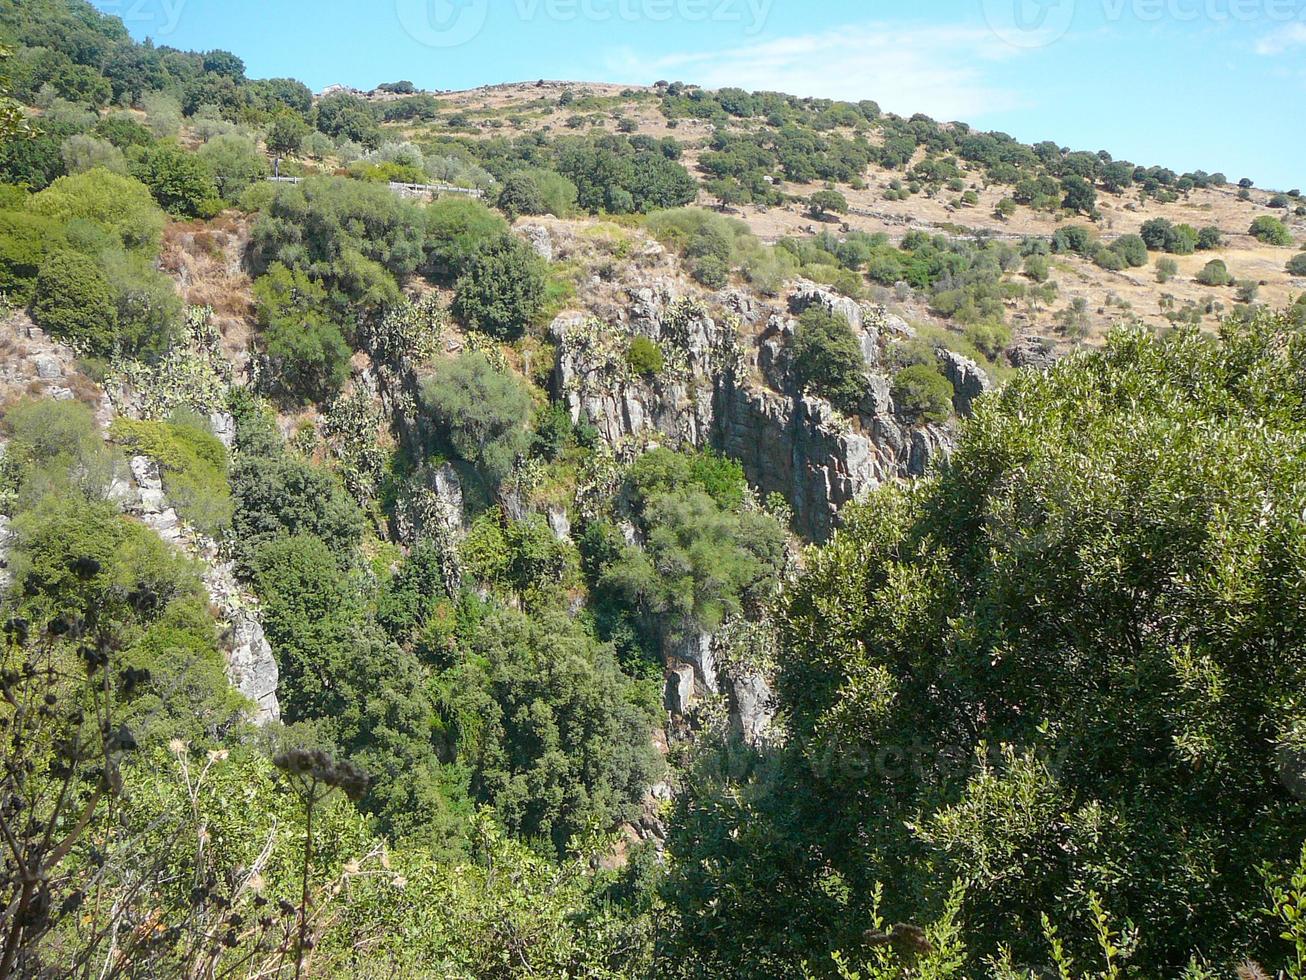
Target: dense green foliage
(482, 412)
(501, 290)
(1067, 666)
(827, 359)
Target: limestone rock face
(250, 665)
(737, 396)
(6, 543)
(969, 381)
(679, 694)
(751, 705)
(1032, 352)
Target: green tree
(1079, 194)
(286, 135)
(1270, 231)
(482, 412)
(823, 203)
(828, 360)
(305, 348)
(1152, 577)
(178, 179)
(502, 290)
(520, 194)
(234, 162)
(921, 392)
(74, 302)
(120, 205)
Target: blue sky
(1211, 84)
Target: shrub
(1109, 259)
(456, 228)
(644, 357)
(1215, 273)
(483, 413)
(1132, 249)
(502, 290)
(306, 350)
(1036, 268)
(121, 206)
(75, 303)
(234, 163)
(82, 153)
(1278, 202)
(25, 241)
(178, 179)
(1209, 238)
(828, 360)
(192, 463)
(357, 239)
(520, 194)
(277, 495)
(921, 392)
(1166, 269)
(1270, 231)
(1297, 265)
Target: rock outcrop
(250, 666)
(968, 380)
(735, 395)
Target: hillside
(570, 530)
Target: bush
(1297, 265)
(644, 357)
(234, 163)
(25, 241)
(483, 413)
(357, 239)
(502, 290)
(1270, 231)
(178, 179)
(1109, 259)
(457, 228)
(277, 496)
(1215, 273)
(82, 153)
(1036, 268)
(828, 360)
(1132, 249)
(520, 195)
(921, 392)
(75, 303)
(121, 206)
(192, 463)
(1209, 238)
(1166, 269)
(306, 350)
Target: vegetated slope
(509, 495)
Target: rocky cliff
(726, 385)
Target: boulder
(539, 239)
(807, 294)
(252, 669)
(968, 379)
(751, 707)
(679, 693)
(48, 367)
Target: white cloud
(938, 71)
(1288, 36)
